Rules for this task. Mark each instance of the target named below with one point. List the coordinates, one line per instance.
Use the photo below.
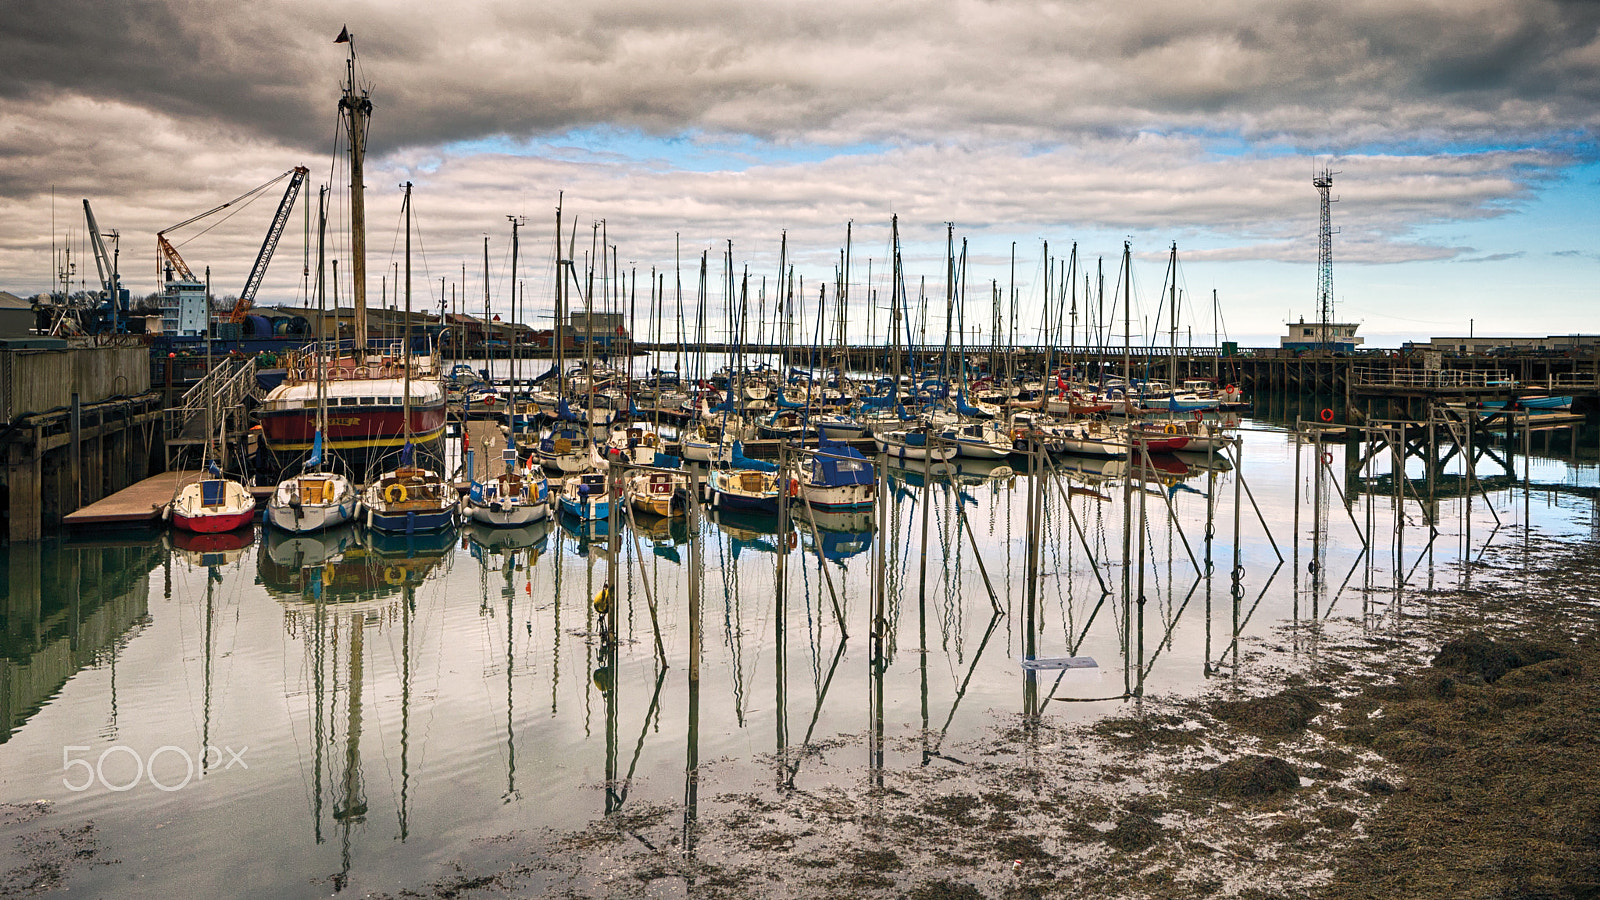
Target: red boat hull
(292, 430)
(213, 524)
(1155, 441)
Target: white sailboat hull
(509, 515)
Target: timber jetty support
(79, 423)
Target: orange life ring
(1198, 415)
(794, 487)
(1327, 414)
(1327, 457)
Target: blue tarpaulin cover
(839, 464)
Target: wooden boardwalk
(487, 442)
(141, 502)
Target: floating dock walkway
(138, 504)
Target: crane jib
(279, 221)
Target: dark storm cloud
(183, 59)
(1337, 74)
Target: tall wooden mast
(355, 106)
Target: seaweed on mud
(49, 856)
(1336, 817)
(883, 860)
(23, 813)
(944, 890)
(1146, 732)
(1247, 778)
(1285, 712)
(1025, 847)
(1513, 812)
(1135, 831)
(1475, 653)
(955, 808)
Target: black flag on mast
(344, 35)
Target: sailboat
(743, 483)
(747, 484)
(586, 497)
(213, 504)
(567, 448)
(516, 497)
(979, 440)
(837, 477)
(658, 492)
(410, 498)
(363, 384)
(316, 498)
(917, 442)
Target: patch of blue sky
(1557, 217)
(1575, 143)
(687, 151)
(1232, 143)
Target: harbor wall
(38, 381)
(76, 424)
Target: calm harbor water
(378, 708)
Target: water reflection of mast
(781, 638)
(352, 806)
(555, 649)
(406, 613)
(511, 736)
(205, 719)
(880, 625)
(691, 766)
(935, 751)
(319, 672)
(332, 623)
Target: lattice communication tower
(1323, 182)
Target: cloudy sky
(1463, 135)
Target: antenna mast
(1323, 182)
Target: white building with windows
(1305, 335)
(183, 308)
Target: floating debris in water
(1061, 662)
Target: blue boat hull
(587, 512)
(720, 500)
(411, 522)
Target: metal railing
(1572, 380)
(1430, 378)
(222, 390)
